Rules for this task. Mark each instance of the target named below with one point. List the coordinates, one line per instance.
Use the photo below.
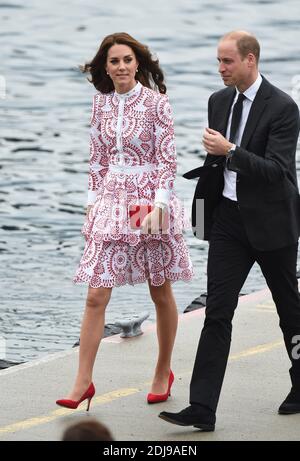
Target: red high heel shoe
(73, 404)
(156, 398)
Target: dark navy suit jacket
(267, 190)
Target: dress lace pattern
(132, 162)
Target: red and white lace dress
(132, 162)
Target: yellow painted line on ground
(100, 400)
(267, 303)
(269, 309)
(266, 306)
(256, 350)
(120, 393)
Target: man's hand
(215, 143)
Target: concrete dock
(256, 382)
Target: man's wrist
(230, 151)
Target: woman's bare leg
(167, 320)
(91, 333)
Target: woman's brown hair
(149, 73)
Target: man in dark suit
(251, 213)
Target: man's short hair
(246, 43)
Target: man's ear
(251, 59)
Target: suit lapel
(257, 108)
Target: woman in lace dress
(132, 162)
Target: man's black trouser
(230, 259)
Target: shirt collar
(132, 92)
(250, 93)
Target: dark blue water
(44, 141)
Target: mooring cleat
(131, 327)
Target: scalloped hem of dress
(77, 281)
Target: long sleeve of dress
(165, 150)
(98, 164)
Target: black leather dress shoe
(198, 416)
(291, 405)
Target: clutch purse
(137, 214)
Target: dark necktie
(236, 116)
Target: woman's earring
(136, 71)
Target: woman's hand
(88, 208)
(152, 223)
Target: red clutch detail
(137, 214)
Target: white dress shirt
(229, 190)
